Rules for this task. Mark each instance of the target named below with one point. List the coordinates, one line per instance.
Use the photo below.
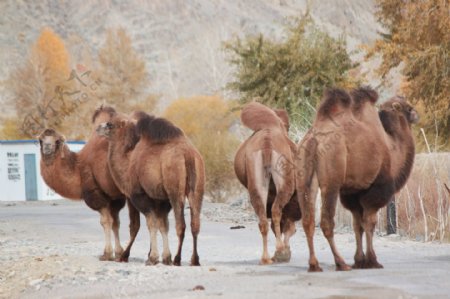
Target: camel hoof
(123, 258)
(195, 261)
(266, 262)
(153, 260)
(373, 265)
(177, 261)
(282, 256)
(358, 265)
(167, 260)
(343, 267)
(106, 257)
(314, 268)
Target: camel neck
(403, 156)
(118, 161)
(61, 173)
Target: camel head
(102, 114)
(119, 128)
(51, 142)
(402, 108)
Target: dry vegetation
(423, 205)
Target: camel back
(157, 130)
(333, 99)
(256, 116)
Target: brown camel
(122, 144)
(363, 156)
(85, 175)
(263, 164)
(159, 172)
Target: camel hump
(137, 115)
(364, 94)
(256, 116)
(103, 109)
(157, 130)
(333, 99)
(284, 116)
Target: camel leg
(369, 222)
(258, 188)
(115, 208)
(307, 201)
(285, 185)
(358, 229)
(178, 210)
(263, 224)
(135, 223)
(195, 207)
(152, 224)
(329, 200)
(288, 230)
(163, 224)
(106, 221)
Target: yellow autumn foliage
(52, 54)
(207, 120)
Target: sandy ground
(51, 249)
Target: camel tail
(191, 175)
(267, 153)
(256, 116)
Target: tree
(206, 120)
(38, 88)
(290, 74)
(123, 75)
(417, 39)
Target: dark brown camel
(263, 164)
(84, 175)
(159, 172)
(363, 156)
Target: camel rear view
(263, 164)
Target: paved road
(49, 250)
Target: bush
(206, 120)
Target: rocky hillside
(179, 39)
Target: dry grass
(423, 205)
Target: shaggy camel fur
(263, 164)
(363, 156)
(85, 175)
(159, 172)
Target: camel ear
(62, 138)
(396, 106)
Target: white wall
(12, 176)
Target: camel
(263, 165)
(363, 156)
(156, 165)
(157, 211)
(84, 175)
